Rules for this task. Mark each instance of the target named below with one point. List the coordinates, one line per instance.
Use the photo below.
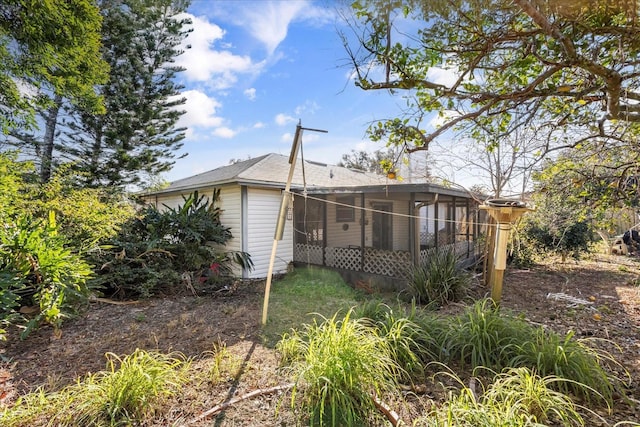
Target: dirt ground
(598, 299)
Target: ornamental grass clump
(439, 280)
(339, 367)
(564, 356)
(483, 336)
(130, 390)
(515, 398)
(412, 345)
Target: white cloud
(270, 23)
(224, 132)
(309, 107)
(442, 76)
(204, 63)
(287, 137)
(200, 110)
(283, 119)
(259, 125)
(250, 93)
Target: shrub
(39, 269)
(410, 344)
(439, 280)
(483, 337)
(160, 248)
(549, 353)
(338, 366)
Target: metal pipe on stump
(505, 213)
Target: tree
(571, 67)
(377, 162)
(503, 165)
(138, 134)
(48, 49)
(600, 186)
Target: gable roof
(272, 170)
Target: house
(336, 213)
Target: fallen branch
(391, 415)
(221, 407)
(110, 301)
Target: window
(345, 213)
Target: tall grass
(131, 389)
(439, 280)
(403, 336)
(566, 357)
(484, 336)
(516, 398)
(338, 366)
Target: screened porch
(383, 231)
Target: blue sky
(257, 67)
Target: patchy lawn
(599, 299)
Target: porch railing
(375, 261)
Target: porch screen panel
(445, 223)
(309, 220)
(462, 224)
(427, 227)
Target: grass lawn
(304, 294)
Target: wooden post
(504, 212)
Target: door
(382, 226)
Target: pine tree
(138, 133)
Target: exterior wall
(229, 202)
(336, 234)
(263, 207)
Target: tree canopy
(138, 133)
(570, 66)
(52, 45)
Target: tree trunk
(51, 120)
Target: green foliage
(39, 268)
(404, 337)
(517, 397)
(52, 45)
(556, 227)
(338, 366)
(439, 280)
(87, 216)
(305, 293)
(137, 136)
(12, 174)
(483, 336)
(132, 388)
(158, 249)
(370, 162)
(566, 357)
(516, 66)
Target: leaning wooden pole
(285, 202)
